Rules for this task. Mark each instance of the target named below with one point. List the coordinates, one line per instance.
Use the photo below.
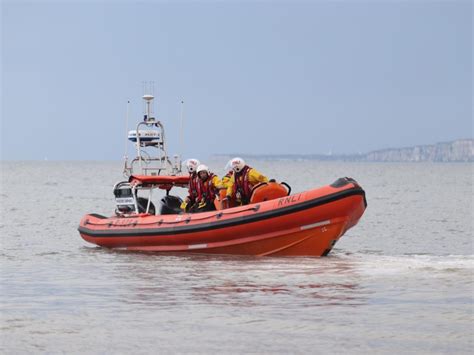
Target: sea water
(401, 281)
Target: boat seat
(170, 205)
(269, 191)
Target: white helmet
(202, 167)
(191, 165)
(237, 164)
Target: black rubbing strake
(227, 223)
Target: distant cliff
(461, 150)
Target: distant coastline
(460, 150)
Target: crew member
(242, 181)
(226, 180)
(190, 200)
(207, 189)
(225, 183)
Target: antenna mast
(126, 129)
(125, 168)
(181, 131)
(149, 138)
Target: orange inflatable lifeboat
(274, 223)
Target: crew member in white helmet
(207, 189)
(242, 181)
(191, 167)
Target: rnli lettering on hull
(289, 200)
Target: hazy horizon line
(217, 155)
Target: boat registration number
(125, 201)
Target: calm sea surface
(401, 281)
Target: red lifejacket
(206, 189)
(242, 184)
(193, 187)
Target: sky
(260, 77)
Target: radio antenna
(126, 129)
(152, 90)
(125, 168)
(181, 131)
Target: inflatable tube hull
(304, 224)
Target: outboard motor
(124, 198)
(171, 205)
